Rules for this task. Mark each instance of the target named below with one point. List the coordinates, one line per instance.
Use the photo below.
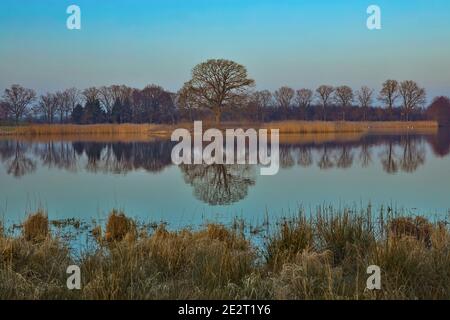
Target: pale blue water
(86, 180)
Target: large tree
(413, 96)
(389, 93)
(17, 100)
(219, 83)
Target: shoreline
(143, 131)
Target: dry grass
(324, 256)
(314, 127)
(119, 227)
(36, 227)
(95, 129)
(118, 131)
(418, 228)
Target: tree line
(219, 90)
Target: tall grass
(322, 256)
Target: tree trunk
(217, 115)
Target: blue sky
(296, 43)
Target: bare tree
(389, 93)
(343, 95)
(17, 100)
(3, 111)
(48, 106)
(121, 93)
(324, 93)
(107, 99)
(109, 95)
(72, 98)
(412, 95)
(64, 104)
(284, 97)
(218, 84)
(91, 94)
(263, 100)
(364, 96)
(304, 98)
(186, 100)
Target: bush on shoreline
(324, 256)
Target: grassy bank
(324, 256)
(285, 127)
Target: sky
(281, 42)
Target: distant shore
(165, 130)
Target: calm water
(87, 179)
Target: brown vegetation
(147, 131)
(119, 227)
(35, 227)
(323, 256)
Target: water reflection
(14, 155)
(221, 184)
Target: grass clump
(36, 227)
(292, 238)
(119, 227)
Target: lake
(86, 178)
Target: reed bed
(72, 129)
(321, 256)
(148, 130)
(313, 127)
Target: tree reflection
(389, 159)
(305, 158)
(345, 158)
(219, 184)
(406, 153)
(286, 159)
(365, 156)
(57, 154)
(413, 155)
(325, 161)
(440, 143)
(19, 164)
